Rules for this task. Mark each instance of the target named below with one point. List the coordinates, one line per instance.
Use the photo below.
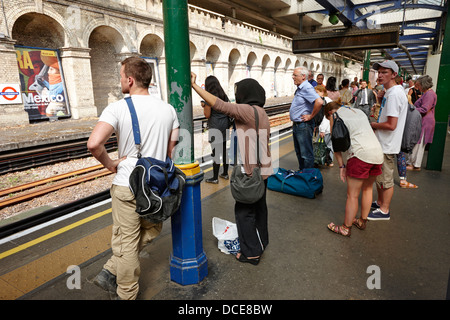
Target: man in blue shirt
(304, 107)
(311, 79)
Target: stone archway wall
(94, 36)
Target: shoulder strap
(135, 122)
(257, 135)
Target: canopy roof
(420, 22)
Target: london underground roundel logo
(9, 93)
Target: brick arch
(121, 44)
(155, 46)
(16, 12)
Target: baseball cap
(386, 64)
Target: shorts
(362, 170)
(386, 180)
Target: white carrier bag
(227, 235)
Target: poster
(44, 93)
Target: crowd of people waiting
(362, 95)
(376, 142)
(375, 116)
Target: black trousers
(251, 222)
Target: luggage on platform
(306, 183)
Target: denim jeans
(303, 133)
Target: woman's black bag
(340, 137)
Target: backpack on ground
(157, 185)
(306, 183)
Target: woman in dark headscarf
(251, 219)
(218, 124)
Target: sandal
(407, 185)
(243, 258)
(360, 223)
(342, 230)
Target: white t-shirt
(364, 144)
(156, 118)
(394, 104)
(325, 124)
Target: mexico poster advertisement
(44, 93)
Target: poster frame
(65, 93)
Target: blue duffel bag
(305, 183)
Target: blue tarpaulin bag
(157, 185)
(306, 183)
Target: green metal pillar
(442, 109)
(366, 68)
(178, 70)
(188, 262)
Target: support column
(366, 68)
(9, 73)
(442, 109)
(188, 263)
(76, 63)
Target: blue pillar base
(188, 262)
(188, 271)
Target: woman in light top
(364, 161)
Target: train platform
(405, 258)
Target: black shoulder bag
(340, 137)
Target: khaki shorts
(386, 179)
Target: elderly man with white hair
(305, 105)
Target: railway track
(50, 185)
(16, 160)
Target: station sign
(43, 89)
(10, 93)
(346, 40)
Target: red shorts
(362, 170)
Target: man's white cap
(386, 64)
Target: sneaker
(212, 180)
(106, 280)
(374, 205)
(377, 214)
(224, 176)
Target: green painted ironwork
(178, 70)
(442, 110)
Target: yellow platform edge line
(53, 234)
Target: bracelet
(342, 167)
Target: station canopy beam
(420, 23)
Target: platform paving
(305, 261)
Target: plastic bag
(320, 151)
(227, 235)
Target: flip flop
(408, 185)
